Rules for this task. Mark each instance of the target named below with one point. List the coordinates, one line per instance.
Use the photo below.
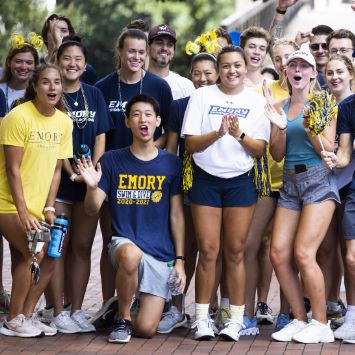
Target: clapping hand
(223, 128)
(234, 129)
(89, 173)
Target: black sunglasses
(316, 46)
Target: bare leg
(264, 211)
(12, 229)
(281, 254)
(207, 222)
(128, 258)
(314, 222)
(106, 270)
(80, 261)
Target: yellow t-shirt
(276, 169)
(44, 140)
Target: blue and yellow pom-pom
(320, 110)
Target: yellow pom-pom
(17, 41)
(191, 48)
(35, 40)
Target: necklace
(120, 102)
(82, 123)
(76, 99)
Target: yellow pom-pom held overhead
(17, 41)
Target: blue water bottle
(83, 151)
(58, 233)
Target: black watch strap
(183, 258)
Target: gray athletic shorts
(349, 216)
(152, 274)
(312, 186)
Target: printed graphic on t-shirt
(80, 116)
(44, 139)
(220, 110)
(139, 189)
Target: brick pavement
(179, 342)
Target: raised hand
(268, 93)
(285, 4)
(90, 175)
(277, 117)
(303, 37)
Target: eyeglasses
(341, 50)
(316, 46)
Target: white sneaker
(292, 328)
(347, 330)
(20, 326)
(204, 329)
(81, 320)
(47, 330)
(65, 324)
(231, 330)
(171, 320)
(314, 333)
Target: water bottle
(83, 151)
(172, 280)
(58, 233)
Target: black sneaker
(121, 332)
(263, 314)
(104, 317)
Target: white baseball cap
(304, 54)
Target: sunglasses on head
(316, 46)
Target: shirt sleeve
(166, 100)
(13, 129)
(193, 115)
(105, 181)
(174, 115)
(2, 104)
(343, 124)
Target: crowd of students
(261, 186)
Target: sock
(224, 302)
(201, 310)
(237, 312)
(333, 306)
(350, 312)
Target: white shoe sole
(265, 320)
(11, 333)
(229, 337)
(250, 331)
(66, 331)
(329, 339)
(176, 325)
(120, 341)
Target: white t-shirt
(180, 86)
(11, 94)
(225, 158)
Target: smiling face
(299, 73)
(133, 54)
(162, 50)
(142, 121)
(21, 66)
(342, 46)
(280, 56)
(204, 73)
(319, 50)
(232, 70)
(338, 77)
(72, 63)
(48, 89)
(255, 50)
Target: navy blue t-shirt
(346, 122)
(139, 198)
(2, 104)
(152, 85)
(84, 132)
(176, 118)
(89, 76)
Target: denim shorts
(312, 186)
(213, 191)
(153, 274)
(349, 216)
